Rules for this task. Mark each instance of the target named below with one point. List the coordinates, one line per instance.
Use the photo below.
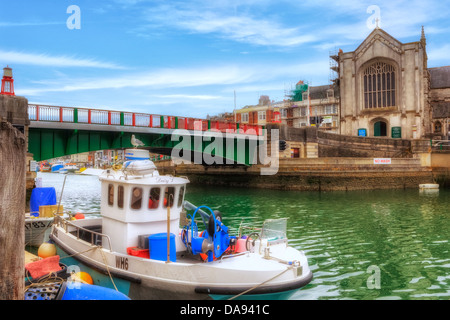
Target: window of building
(379, 86)
(437, 127)
(330, 109)
(136, 198)
(284, 113)
(110, 194)
(153, 199)
(261, 115)
(305, 96)
(302, 111)
(295, 153)
(244, 117)
(330, 93)
(120, 196)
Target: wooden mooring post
(12, 211)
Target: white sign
(327, 119)
(33, 166)
(382, 161)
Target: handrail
(61, 222)
(47, 113)
(440, 144)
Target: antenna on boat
(60, 197)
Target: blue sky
(187, 58)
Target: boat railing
(63, 223)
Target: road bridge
(56, 131)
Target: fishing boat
(150, 243)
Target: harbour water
(363, 245)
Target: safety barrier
(119, 118)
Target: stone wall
(322, 174)
(314, 143)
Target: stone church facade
(386, 89)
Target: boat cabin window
(180, 196)
(120, 196)
(169, 197)
(110, 194)
(136, 198)
(153, 199)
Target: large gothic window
(379, 85)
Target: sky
(194, 58)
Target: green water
(364, 245)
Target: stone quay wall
(321, 174)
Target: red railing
(119, 118)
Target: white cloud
(241, 27)
(14, 57)
(230, 74)
(29, 24)
(187, 96)
(159, 79)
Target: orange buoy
(79, 216)
(83, 277)
(46, 250)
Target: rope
(107, 268)
(104, 261)
(262, 283)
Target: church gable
(383, 87)
(379, 41)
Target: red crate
(138, 252)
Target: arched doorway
(380, 129)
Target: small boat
(45, 167)
(55, 167)
(148, 246)
(69, 168)
(39, 220)
(48, 279)
(67, 290)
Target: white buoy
(429, 187)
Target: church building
(384, 88)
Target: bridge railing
(118, 118)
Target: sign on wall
(382, 161)
(362, 132)
(396, 132)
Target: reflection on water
(81, 193)
(346, 235)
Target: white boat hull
(36, 230)
(188, 277)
